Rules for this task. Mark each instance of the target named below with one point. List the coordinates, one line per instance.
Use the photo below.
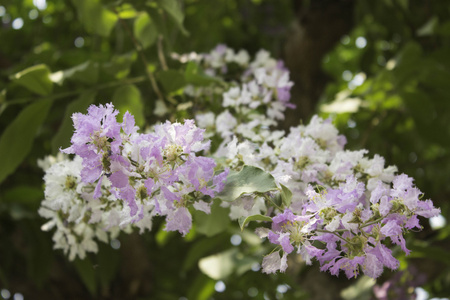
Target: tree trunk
(319, 25)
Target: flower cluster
(254, 100)
(351, 223)
(339, 207)
(120, 177)
(342, 199)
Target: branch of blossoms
(337, 206)
(344, 229)
(120, 178)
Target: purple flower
(179, 220)
(272, 263)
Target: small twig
(373, 222)
(73, 93)
(138, 47)
(335, 233)
(162, 58)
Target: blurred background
(379, 69)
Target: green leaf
(29, 196)
(249, 180)
(219, 266)
(202, 247)
(145, 30)
(2, 96)
(36, 79)
(65, 131)
(108, 263)
(95, 18)
(429, 27)
(39, 254)
(126, 11)
(128, 98)
(286, 195)
(86, 271)
(222, 265)
(195, 76)
(119, 66)
(86, 72)
(216, 222)
(158, 19)
(202, 288)
(173, 8)
(361, 290)
(18, 137)
(171, 80)
(245, 220)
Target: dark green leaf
(172, 7)
(18, 137)
(245, 220)
(219, 266)
(158, 19)
(95, 18)
(36, 79)
(222, 265)
(171, 80)
(119, 66)
(108, 263)
(29, 196)
(65, 131)
(249, 180)
(201, 247)
(145, 30)
(86, 271)
(286, 195)
(216, 222)
(40, 254)
(2, 96)
(202, 288)
(126, 11)
(195, 76)
(429, 27)
(128, 98)
(86, 72)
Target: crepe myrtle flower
(160, 169)
(351, 223)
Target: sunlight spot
(236, 240)
(421, 294)
(40, 4)
(347, 75)
(6, 19)
(345, 40)
(79, 42)
(412, 157)
(17, 23)
(357, 81)
(220, 286)
(391, 64)
(18, 296)
(361, 42)
(438, 222)
(256, 267)
(252, 292)
(33, 14)
(5, 294)
(115, 244)
(283, 288)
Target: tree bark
(319, 25)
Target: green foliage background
(75, 53)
